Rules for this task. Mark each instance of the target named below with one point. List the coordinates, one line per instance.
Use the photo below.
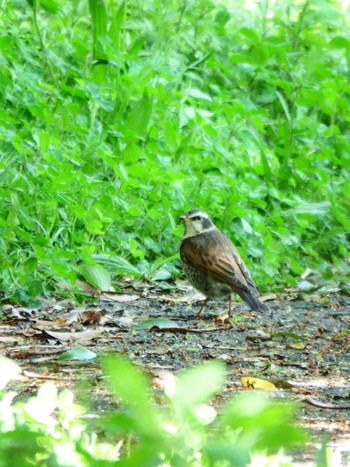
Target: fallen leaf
(160, 323)
(305, 285)
(87, 288)
(74, 336)
(58, 324)
(92, 316)
(78, 353)
(119, 297)
(282, 384)
(258, 335)
(292, 335)
(297, 345)
(269, 296)
(221, 319)
(257, 383)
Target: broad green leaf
(339, 42)
(313, 208)
(116, 263)
(160, 323)
(160, 262)
(197, 93)
(139, 116)
(197, 385)
(131, 154)
(161, 275)
(222, 17)
(99, 26)
(49, 5)
(133, 387)
(115, 29)
(96, 275)
(78, 353)
(261, 424)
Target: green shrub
(118, 118)
(181, 428)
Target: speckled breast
(205, 283)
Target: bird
(213, 265)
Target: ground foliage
(161, 414)
(119, 116)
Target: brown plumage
(212, 263)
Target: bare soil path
(302, 345)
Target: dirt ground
(302, 345)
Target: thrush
(212, 263)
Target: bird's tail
(253, 301)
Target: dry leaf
(269, 296)
(257, 383)
(92, 316)
(297, 345)
(221, 319)
(87, 288)
(119, 297)
(74, 336)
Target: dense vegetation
(117, 117)
(176, 428)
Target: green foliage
(118, 117)
(181, 428)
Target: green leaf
(138, 118)
(291, 335)
(197, 385)
(261, 424)
(96, 275)
(121, 265)
(99, 27)
(198, 94)
(313, 208)
(78, 353)
(222, 17)
(49, 5)
(339, 42)
(160, 323)
(161, 275)
(131, 154)
(160, 262)
(115, 29)
(133, 387)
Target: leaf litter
(301, 347)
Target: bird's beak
(184, 218)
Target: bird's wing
(217, 256)
(240, 263)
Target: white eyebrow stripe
(199, 214)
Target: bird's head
(196, 222)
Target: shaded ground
(302, 345)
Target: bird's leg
(202, 307)
(229, 306)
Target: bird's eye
(196, 218)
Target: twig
(323, 405)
